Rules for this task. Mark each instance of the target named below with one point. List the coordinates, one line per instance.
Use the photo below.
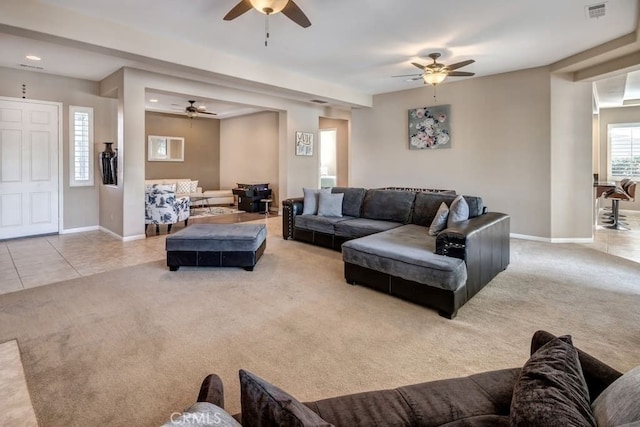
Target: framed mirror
(165, 149)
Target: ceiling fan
(194, 111)
(269, 7)
(435, 73)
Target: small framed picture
(304, 143)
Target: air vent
(319, 101)
(32, 67)
(596, 10)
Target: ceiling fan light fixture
(269, 7)
(192, 114)
(435, 77)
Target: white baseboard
(552, 239)
(79, 229)
(134, 237)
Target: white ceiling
(356, 44)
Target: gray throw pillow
(310, 206)
(202, 414)
(330, 204)
(439, 222)
(264, 405)
(551, 390)
(458, 211)
(619, 403)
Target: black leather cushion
(551, 390)
(388, 205)
(352, 202)
(265, 405)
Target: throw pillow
(310, 206)
(458, 211)
(183, 187)
(619, 403)
(439, 222)
(162, 188)
(551, 389)
(202, 414)
(193, 188)
(330, 204)
(264, 404)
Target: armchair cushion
(163, 207)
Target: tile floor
(37, 261)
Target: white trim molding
(80, 230)
(552, 239)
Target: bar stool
(266, 205)
(616, 195)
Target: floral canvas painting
(429, 127)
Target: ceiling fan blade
(460, 74)
(415, 64)
(293, 12)
(460, 64)
(415, 78)
(408, 75)
(206, 112)
(242, 7)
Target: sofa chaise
(383, 235)
(560, 385)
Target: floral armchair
(163, 207)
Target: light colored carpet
(15, 403)
(131, 346)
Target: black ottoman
(216, 245)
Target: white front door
(29, 133)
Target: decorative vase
(106, 167)
(114, 168)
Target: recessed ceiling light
(33, 57)
(153, 100)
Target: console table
(250, 196)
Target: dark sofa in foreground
(385, 245)
(559, 385)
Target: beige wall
(201, 148)
(249, 151)
(610, 116)
(342, 147)
(500, 149)
(80, 204)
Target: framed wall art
(429, 127)
(304, 143)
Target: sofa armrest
(482, 242)
(290, 208)
(212, 390)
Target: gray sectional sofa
(385, 244)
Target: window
(80, 146)
(624, 150)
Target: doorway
(333, 160)
(29, 168)
(328, 158)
